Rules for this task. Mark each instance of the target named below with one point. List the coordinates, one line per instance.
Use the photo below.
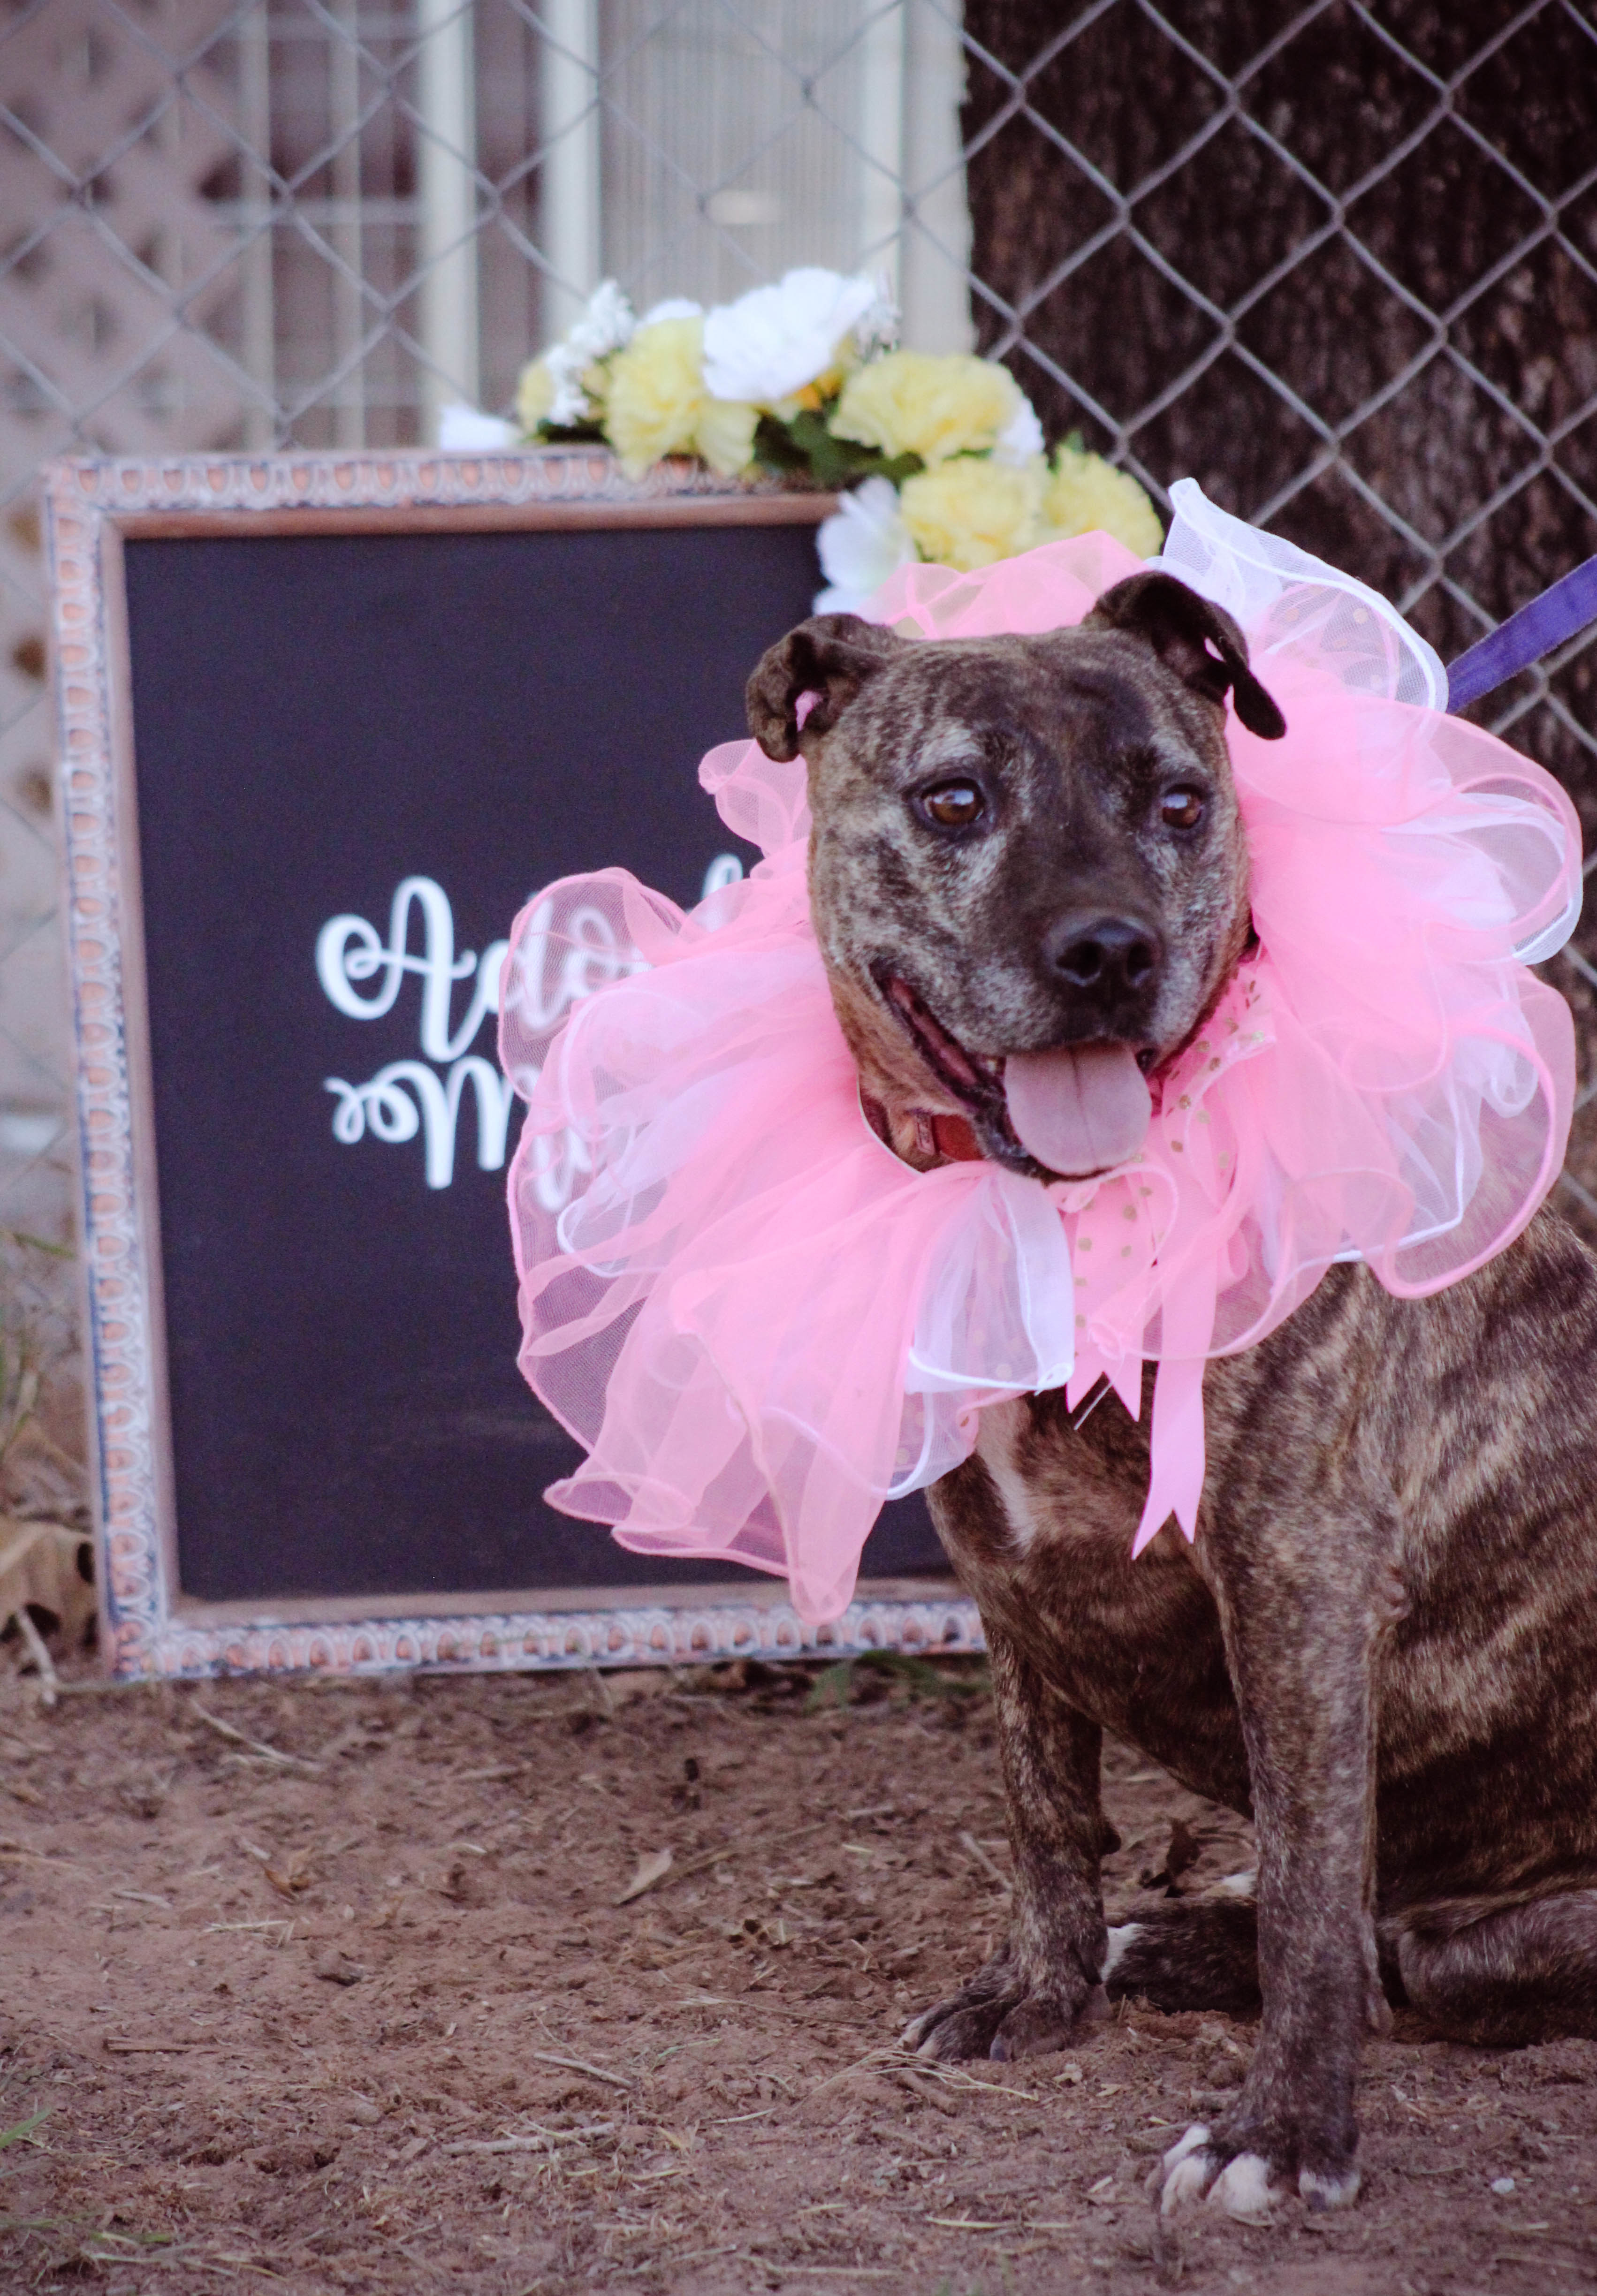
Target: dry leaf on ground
(651, 1869)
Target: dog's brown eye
(953, 805)
(1181, 808)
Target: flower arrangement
(941, 458)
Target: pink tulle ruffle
(760, 1325)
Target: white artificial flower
(570, 403)
(1021, 440)
(675, 307)
(462, 430)
(860, 545)
(775, 339)
(606, 326)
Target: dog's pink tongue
(1079, 1108)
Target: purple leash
(1525, 637)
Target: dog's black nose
(1104, 954)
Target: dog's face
(1028, 872)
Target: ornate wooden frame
(148, 1628)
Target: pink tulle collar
(759, 1324)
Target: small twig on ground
(256, 1745)
(577, 2065)
(544, 2141)
(968, 1841)
(669, 1876)
(915, 2080)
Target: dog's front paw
(1201, 2170)
(1238, 2182)
(1321, 2189)
(999, 2014)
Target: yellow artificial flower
(595, 382)
(656, 393)
(814, 396)
(913, 402)
(539, 387)
(1085, 495)
(725, 435)
(968, 513)
(658, 405)
(534, 396)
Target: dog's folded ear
(831, 656)
(1199, 642)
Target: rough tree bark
(1118, 349)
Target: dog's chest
(1063, 1495)
(1023, 1512)
(1039, 1525)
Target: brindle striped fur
(1384, 1642)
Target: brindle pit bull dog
(1384, 1643)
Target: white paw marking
(1245, 1885)
(1243, 2189)
(1196, 2135)
(1121, 1941)
(1184, 2171)
(1328, 2192)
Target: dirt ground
(326, 1986)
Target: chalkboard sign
(326, 723)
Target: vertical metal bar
(343, 105)
(934, 279)
(255, 217)
(882, 139)
(569, 223)
(935, 275)
(446, 179)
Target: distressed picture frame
(150, 1627)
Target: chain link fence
(1339, 261)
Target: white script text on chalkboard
(422, 1096)
(410, 1096)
